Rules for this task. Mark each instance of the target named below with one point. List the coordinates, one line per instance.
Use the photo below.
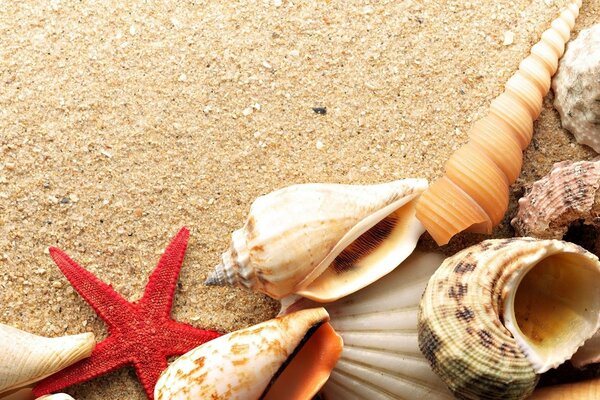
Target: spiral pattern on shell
(473, 193)
(499, 313)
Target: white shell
(56, 396)
(322, 241)
(381, 357)
(248, 364)
(577, 88)
(26, 358)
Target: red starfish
(141, 333)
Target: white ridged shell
(381, 358)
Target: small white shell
(577, 88)
(322, 241)
(56, 396)
(26, 358)
(294, 354)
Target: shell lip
(539, 362)
(309, 333)
(357, 230)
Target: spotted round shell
(497, 314)
(569, 193)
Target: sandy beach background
(120, 122)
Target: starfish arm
(107, 303)
(148, 371)
(104, 359)
(186, 337)
(158, 296)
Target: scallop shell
(473, 193)
(381, 357)
(293, 354)
(322, 241)
(568, 194)
(497, 314)
(577, 88)
(26, 358)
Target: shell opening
(308, 368)
(554, 308)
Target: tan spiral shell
(499, 313)
(473, 194)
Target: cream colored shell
(497, 314)
(322, 241)
(381, 358)
(473, 193)
(56, 396)
(568, 194)
(26, 358)
(577, 88)
(246, 364)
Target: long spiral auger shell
(473, 193)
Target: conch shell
(26, 358)
(568, 194)
(288, 357)
(497, 314)
(322, 241)
(473, 194)
(381, 357)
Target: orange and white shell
(568, 194)
(499, 313)
(26, 358)
(322, 241)
(473, 193)
(288, 357)
(577, 88)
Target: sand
(120, 122)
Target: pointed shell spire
(473, 194)
(322, 241)
(287, 357)
(497, 314)
(26, 358)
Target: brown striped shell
(568, 194)
(473, 193)
(497, 314)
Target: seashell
(56, 396)
(577, 88)
(568, 194)
(381, 357)
(287, 357)
(584, 390)
(26, 358)
(322, 241)
(497, 314)
(473, 193)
